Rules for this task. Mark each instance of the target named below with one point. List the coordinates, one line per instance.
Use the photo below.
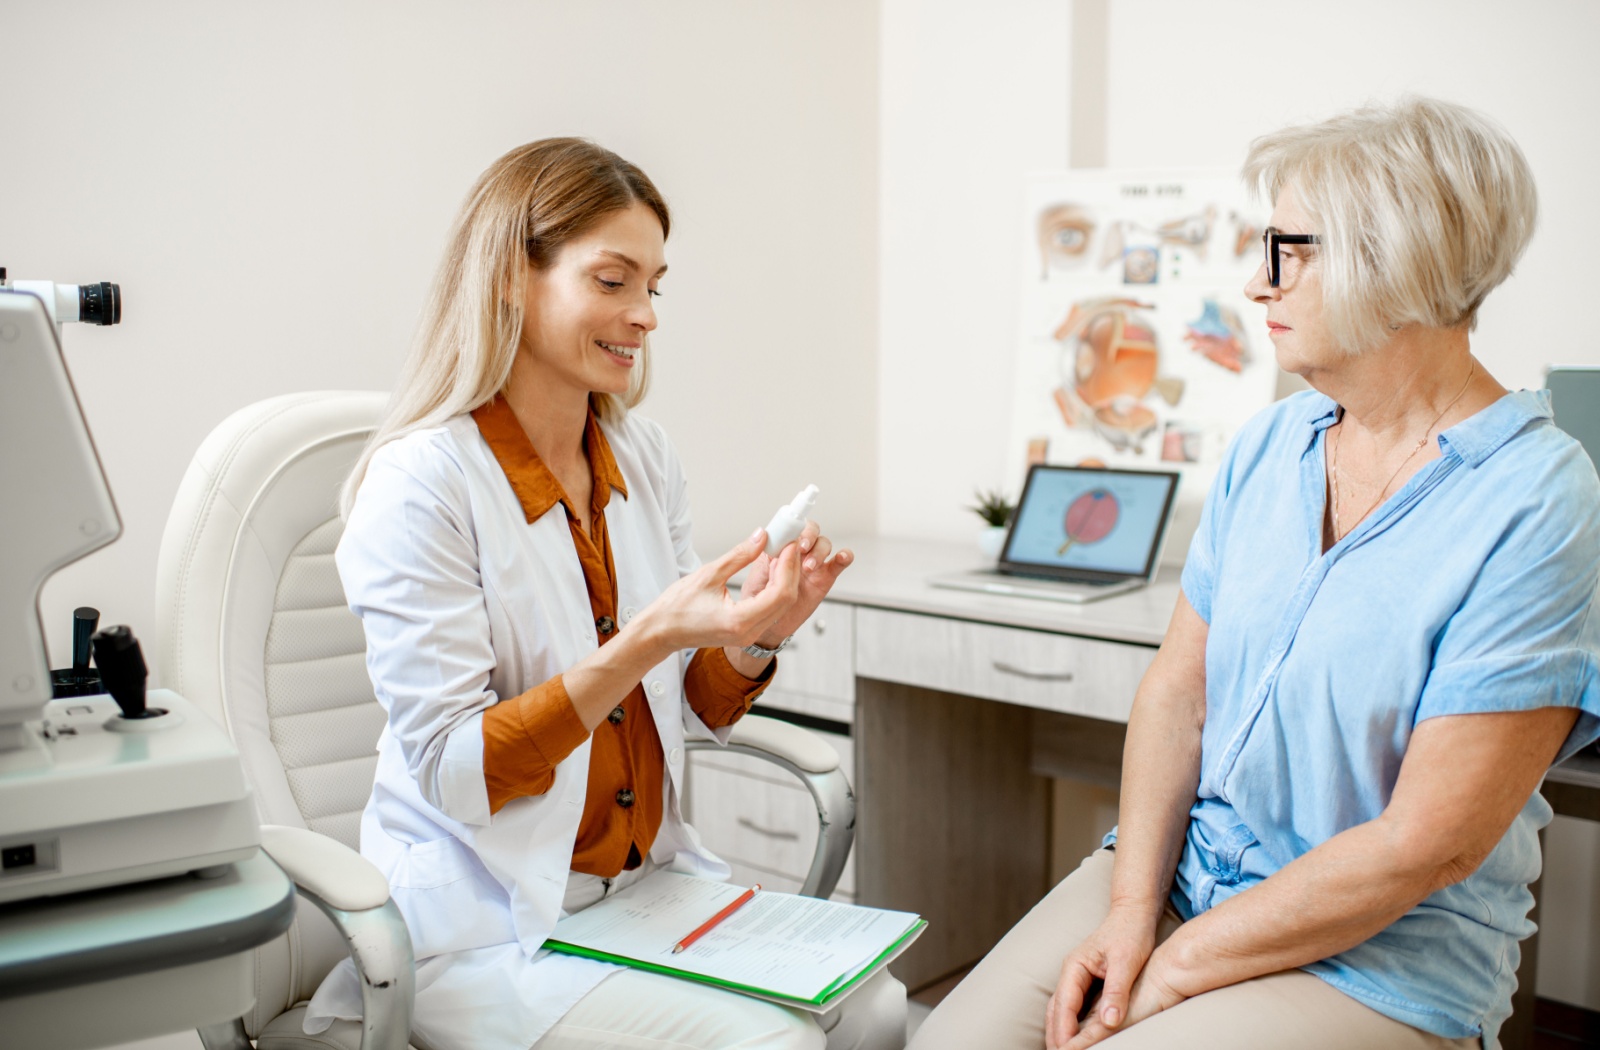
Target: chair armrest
(799, 747)
(814, 764)
(355, 895)
(327, 867)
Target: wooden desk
(961, 707)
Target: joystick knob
(122, 669)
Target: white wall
(972, 96)
(271, 184)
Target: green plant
(992, 507)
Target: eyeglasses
(1271, 238)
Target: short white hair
(1422, 207)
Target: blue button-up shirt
(1469, 590)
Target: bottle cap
(804, 501)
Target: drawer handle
(750, 825)
(1037, 676)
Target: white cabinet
(760, 819)
(752, 814)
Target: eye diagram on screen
(1090, 518)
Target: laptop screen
(1089, 523)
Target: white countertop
(892, 573)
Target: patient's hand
(1115, 953)
(1149, 996)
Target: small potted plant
(995, 510)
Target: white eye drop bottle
(786, 525)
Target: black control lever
(85, 619)
(122, 669)
(80, 679)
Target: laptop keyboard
(1057, 579)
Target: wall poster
(1138, 346)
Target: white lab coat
(463, 602)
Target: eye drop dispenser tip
(787, 524)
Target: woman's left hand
(1149, 996)
(820, 565)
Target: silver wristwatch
(760, 653)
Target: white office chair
(253, 628)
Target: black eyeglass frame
(1271, 238)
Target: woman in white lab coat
(518, 547)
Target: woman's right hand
(1115, 953)
(698, 612)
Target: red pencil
(705, 927)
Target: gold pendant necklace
(1333, 466)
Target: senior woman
(1385, 637)
(543, 638)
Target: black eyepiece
(100, 303)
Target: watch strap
(760, 652)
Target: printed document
(794, 949)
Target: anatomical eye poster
(1138, 346)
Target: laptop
(1079, 534)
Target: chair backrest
(252, 622)
(252, 627)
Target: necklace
(1333, 467)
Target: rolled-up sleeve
(408, 562)
(525, 738)
(1526, 634)
(716, 692)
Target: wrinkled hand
(1149, 996)
(1115, 953)
(698, 612)
(820, 566)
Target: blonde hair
(1422, 207)
(520, 213)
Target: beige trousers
(1001, 1003)
(638, 1010)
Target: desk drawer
(816, 673)
(1054, 672)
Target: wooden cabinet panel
(1053, 672)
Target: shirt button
(676, 756)
(606, 624)
(657, 688)
(628, 614)
(625, 798)
(617, 715)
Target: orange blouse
(526, 736)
